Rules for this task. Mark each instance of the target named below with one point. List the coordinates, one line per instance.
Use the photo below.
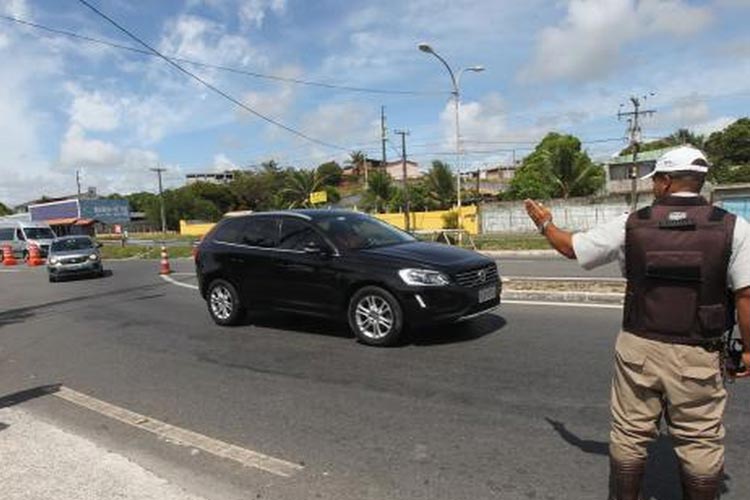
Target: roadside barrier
(8, 259)
(164, 266)
(35, 257)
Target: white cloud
(587, 44)
(222, 163)
(15, 8)
(198, 38)
(253, 12)
(713, 125)
(78, 150)
(93, 110)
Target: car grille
(477, 277)
(74, 260)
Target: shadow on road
(3, 426)
(22, 314)
(435, 335)
(21, 397)
(454, 333)
(662, 478)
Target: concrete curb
(499, 254)
(573, 297)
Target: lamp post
(456, 82)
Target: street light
(456, 82)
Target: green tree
(380, 191)
(729, 152)
(140, 202)
(252, 191)
(680, 137)
(557, 168)
(441, 184)
(220, 195)
(182, 204)
(300, 184)
(4, 210)
(331, 173)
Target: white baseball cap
(681, 159)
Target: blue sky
(551, 65)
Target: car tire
(376, 317)
(52, 279)
(224, 303)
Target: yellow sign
(318, 197)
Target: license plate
(488, 293)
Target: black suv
(340, 264)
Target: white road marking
(174, 273)
(9, 270)
(180, 436)
(166, 277)
(561, 304)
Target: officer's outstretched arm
(742, 301)
(562, 241)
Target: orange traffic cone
(164, 267)
(35, 257)
(8, 259)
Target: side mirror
(313, 249)
(99, 245)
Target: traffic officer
(682, 257)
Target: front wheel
(224, 303)
(376, 317)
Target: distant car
(21, 234)
(342, 265)
(74, 256)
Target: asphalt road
(510, 406)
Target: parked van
(20, 234)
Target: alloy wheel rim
(374, 317)
(221, 302)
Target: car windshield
(356, 232)
(69, 244)
(39, 233)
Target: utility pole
(78, 182)
(158, 171)
(383, 133)
(634, 139)
(403, 134)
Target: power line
(229, 69)
(211, 86)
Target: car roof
(310, 214)
(73, 237)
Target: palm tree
(441, 184)
(300, 184)
(380, 190)
(358, 160)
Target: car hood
(75, 253)
(42, 242)
(431, 254)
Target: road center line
(180, 436)
(178, 283)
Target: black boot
(625, 479)
(700, 487)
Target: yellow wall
(433, 220)
(195, 228)
(419, 221)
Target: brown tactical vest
(676, 256)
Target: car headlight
(93, 256)
(53, 260)
(423, 277)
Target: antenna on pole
(403, 134)
(634, 139)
